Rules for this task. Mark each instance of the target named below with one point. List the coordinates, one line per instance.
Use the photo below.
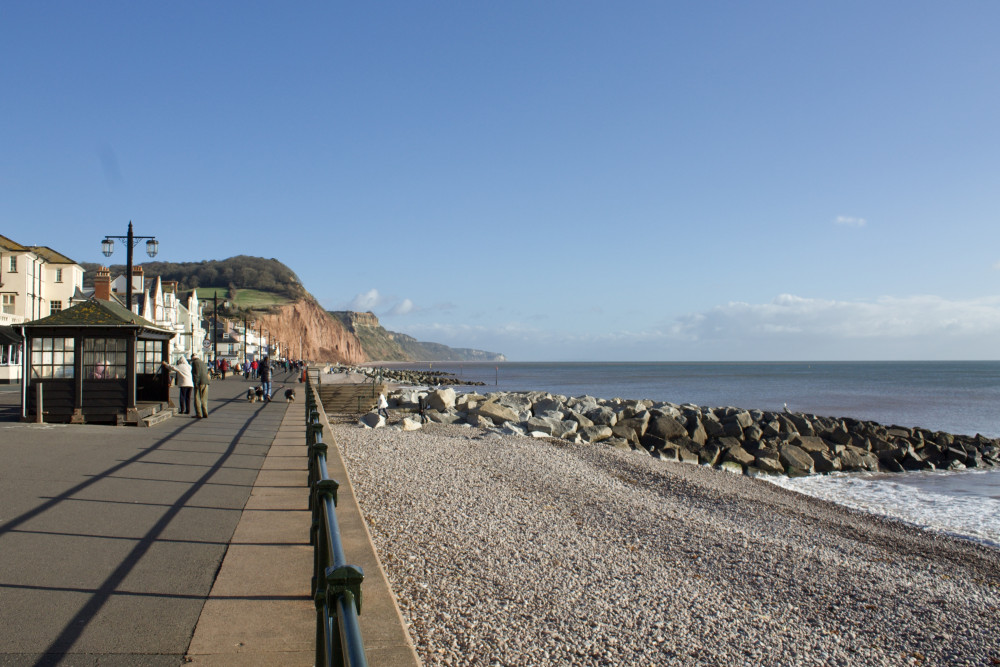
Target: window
(58, 275)
(10, 355)
(104, 358)
(8, 303)
(147, 356)
(52, 358)
(54, 307)
(13, 264)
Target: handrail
(336, 584)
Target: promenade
(183, 542)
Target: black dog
(289, 395)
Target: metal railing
(336, 585)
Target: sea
(961, 397)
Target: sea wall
(744, 441)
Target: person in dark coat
(199, 373)
(265, 378)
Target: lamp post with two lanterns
(108, 247)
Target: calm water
(957, 397)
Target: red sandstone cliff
(322, 337)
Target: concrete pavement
(111, 538)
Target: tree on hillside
(240, 272)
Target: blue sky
(550, 180)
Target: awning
(8, 336)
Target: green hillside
(383, 345)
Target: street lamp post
(108, 247)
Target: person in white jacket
(184, 382)
(382, 406)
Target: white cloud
(886, 318)
(996, 265)
(403, 307)
(788, 327)
(365, 301)
(850, 221)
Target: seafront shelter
(96, 362)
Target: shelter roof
(97, 313)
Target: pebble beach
(511, 550)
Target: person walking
(199, 373)
(223, 367)
(184, 382)
(265, 378)
(383, 406)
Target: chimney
(137, 280)
(102, 283)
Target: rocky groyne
(414, 377)
(743, 441)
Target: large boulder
(516, 402)
(666, 428)
(838, 434)
(795, 460)
(579, 418)
(542, 425)
(444, 417)
(710, 453)
(810, 444)
(547, 404)
(372, 420)
(739, 455)
(467, 402)
(856, 458)
(769, 464)
(410, 424)
(802, 425)
(582, 403)
(602, 415)
(662, 430)
(696, 430)
(732, 429)
(825, 461)
(408, 400)
(496, 413)
(632, 428)
(596, 433)
(441, 399)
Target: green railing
(336, 585)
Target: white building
(160, 303)
(35, 281)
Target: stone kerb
(383, 630)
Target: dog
(251, 395)
(259, 392)
(289, 395)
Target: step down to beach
(349, 399)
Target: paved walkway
(111, 538)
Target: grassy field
(251, 298)
(209, 292)
(245, 298)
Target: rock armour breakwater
(750, 442)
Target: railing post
(336, 585)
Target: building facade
(35, 282)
